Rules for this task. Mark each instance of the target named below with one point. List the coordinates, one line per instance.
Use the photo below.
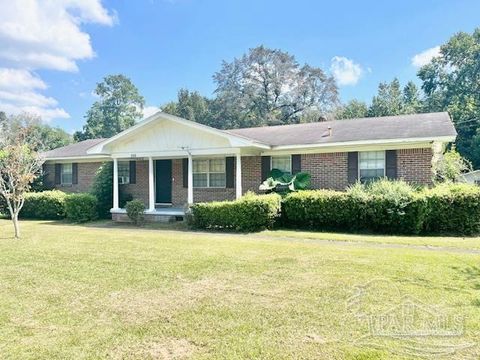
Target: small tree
(20, 164)
(451, 166)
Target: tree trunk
(16, 225)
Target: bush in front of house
(383, 206)
(102, 189)
(46, 205)
(249, 213)
(387, 207)
(323, 210)
(136, 211)
(390, 206)
(81, 208)
(453, 208)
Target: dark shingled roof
(417, 126)
(73, 150)
(364, 129)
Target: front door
(163, 181)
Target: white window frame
(384, 162)
(124, 180)
(208, 172)
(281, 156)
(62, 173)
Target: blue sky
(166, 45)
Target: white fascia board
(236, 141)
(89, 158)
(179, 153)
(365, 142)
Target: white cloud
(149, 111)
(425, 57)
(345, 70)
(17, 79)
(36, 34)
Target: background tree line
(269, 87)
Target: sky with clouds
(52, 53)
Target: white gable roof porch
(164, 136)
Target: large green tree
(353, 109)
(119, 107)
(268, 87)
(390, 100)
(451, 82)
(190, 105)
(48, 137)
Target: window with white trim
(371, 165)
(283, 163)
(124, 172)
(66, 175)
(209, 173)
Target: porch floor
(160, 214)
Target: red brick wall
(328, 170)
(415, 165)
(179, 193)
(86, 175)
(139, 190)
(251, 173)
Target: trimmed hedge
(250, 213)
(323, 209)
(81, 207)
(453, 209)
(46, 205)
(136, 211)
(387, 207)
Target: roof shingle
(73, 150)
(375, 128)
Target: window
(371, 165)
(283, 163)
(66, 174)
(123, 172)
(209, 173)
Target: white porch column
(190, 180)
(238, 177)
(115, 184)
(151, 186)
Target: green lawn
(109, 291)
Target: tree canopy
(263, 87)
(20, 162)
(269, 87)
(451, 82)
(119, 107)
(390, 100)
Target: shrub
(390, 206)
(81, 207)
(3, 207)
(249, 213)
(384, 206)
(136, 211)
(47, 205)
(453, 208)
(102, 189)
(323, 210)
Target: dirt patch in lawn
(162, 349)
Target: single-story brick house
(165, 160)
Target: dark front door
(163, 181)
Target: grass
(108, 291)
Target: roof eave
(239, 141)
(449, 138)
